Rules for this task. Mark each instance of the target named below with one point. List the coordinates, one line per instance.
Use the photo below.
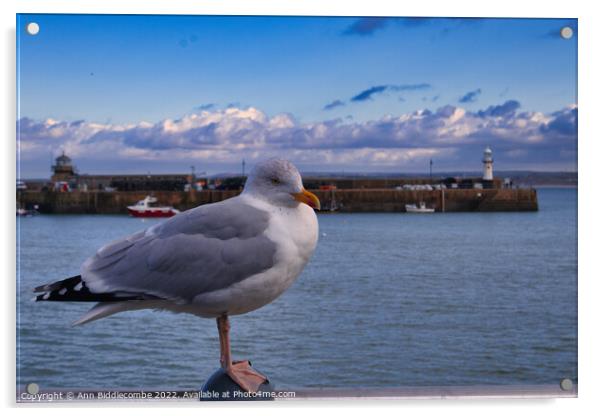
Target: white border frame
(589, 93)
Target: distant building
(63, 169)
(466, 183)
(66, 178)
(487, 164)
(64, 174)
(160, 182)
(488, 181)
(449, 182)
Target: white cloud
(229, 134)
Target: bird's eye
(275, 181)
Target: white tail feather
(104, 309)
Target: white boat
(146, 209)
(22, 212)
(413, 208)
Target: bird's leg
(223, 327)
(240, 372)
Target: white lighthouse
(487, 165)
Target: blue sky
(158, 93)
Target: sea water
(387, 300)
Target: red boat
(146, 209)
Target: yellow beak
(308, 198)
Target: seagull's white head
(278, 181)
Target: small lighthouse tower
(487, 165)
(63, 170)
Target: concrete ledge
(346, 200)
(441, 392)
(547, 391)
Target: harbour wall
(345, 200)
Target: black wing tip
(74, 289)
(59, 290)
(59, 284)
(39, 298)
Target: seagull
(212, 261)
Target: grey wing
(201, 250)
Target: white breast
(295, 232)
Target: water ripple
(387, 300)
